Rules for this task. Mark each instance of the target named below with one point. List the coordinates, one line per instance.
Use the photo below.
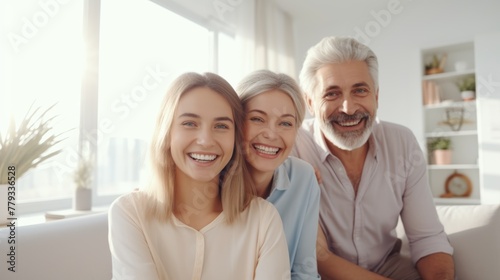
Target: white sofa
(474, 233)
(77, 248)
(69, 249)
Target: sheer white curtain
(265, 36)
(263, 31)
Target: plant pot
(82, 201)
(4, 204)
(442, 157)
(432, 71)
(468, 95)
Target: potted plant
(24, 147)
(82, 177)
(441, 150)
(467, 87)
(436, 65)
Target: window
(43, 52)
(228, 65)
(142, 47)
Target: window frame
(89, 94)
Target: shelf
(448, 75)
(452, 104)
(452, 118)
(71, 213)
(452, 166)
(450, 133)
(456, 200)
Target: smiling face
(345, 103)
(270, 130)
(202, 135)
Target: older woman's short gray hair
(261, 81)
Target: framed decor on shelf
(457, 185)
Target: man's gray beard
(348, 140)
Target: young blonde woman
(198, 220)
(274, 110)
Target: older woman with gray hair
(274, 111)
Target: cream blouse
(252, 247)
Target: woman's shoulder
(302, 178)
(295, 163)
(298, 170)
(261, 207)
(130, 200)
(259, 203)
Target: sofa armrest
(474, 233)
(74, 248)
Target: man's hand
(331, 266)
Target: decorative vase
(460, 66)
(442, 157)
(4, 204)
(468, 95)
(82, 201)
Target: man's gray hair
(335, 50)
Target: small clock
(457, 185)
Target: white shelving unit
(464, 137)
(449, 75)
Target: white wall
(397, 42)
(488, 98)
(395, 29)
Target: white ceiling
(329, 10)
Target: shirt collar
(374, 144)
(280, 179)
(320, 140)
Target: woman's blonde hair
(235, 186)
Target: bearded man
(371, 174)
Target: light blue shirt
(295, 193)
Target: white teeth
(202, 157)
(266, 150)
(351, 123)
